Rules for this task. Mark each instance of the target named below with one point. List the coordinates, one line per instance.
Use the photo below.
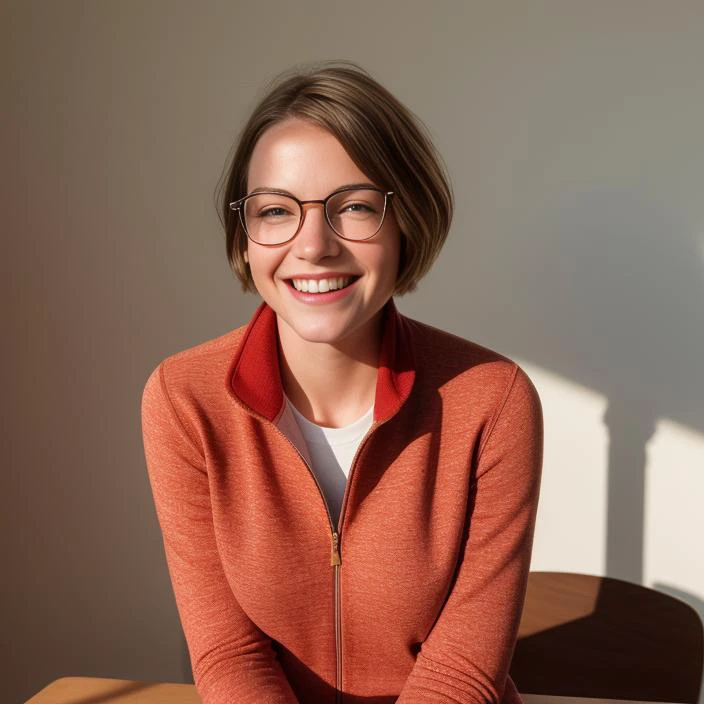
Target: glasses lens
(270, 218)
(358, 214)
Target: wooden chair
(588, 636)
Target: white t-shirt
(329, 451)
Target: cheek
(392, 258)
(260, 267)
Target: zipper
(338, 639)
(335, 552)
(336, 555)
(335, 562)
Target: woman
(347, 496)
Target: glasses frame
(237, 205)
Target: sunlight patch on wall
(674, 516)
(571, 526)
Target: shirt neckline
(320, 433)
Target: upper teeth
(320, 285)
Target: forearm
(466, 656)
(255, 678)
(231, 658)
(432, 683)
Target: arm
(465, 659)
(232, 660)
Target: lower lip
(318, 298)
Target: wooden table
(97, 690)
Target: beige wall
(573, 133)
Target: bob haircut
(383, 138)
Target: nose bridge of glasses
(305, 204)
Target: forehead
(302, 158)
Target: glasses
(270, 218)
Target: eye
(358, 204)
(273, 212)
(356, 208)
(271, 208)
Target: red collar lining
(254, 375)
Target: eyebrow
(261, 189)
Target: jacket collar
(254, 380)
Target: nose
(315, 239)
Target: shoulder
(459, 349)
(464, 371)
(193, 374)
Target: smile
(321, 285)
(322, 291)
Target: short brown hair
(383, 138)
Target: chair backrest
(588, 636)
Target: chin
(327, 329)
(323, 334)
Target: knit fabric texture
(434, 536)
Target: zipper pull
(335, 551)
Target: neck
(331, 384)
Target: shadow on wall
(612, 297)
(628, 321)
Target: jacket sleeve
(232, 660)
(465, 658)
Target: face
(309, 162)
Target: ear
(246, 256)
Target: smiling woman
(347, 496)
(347, 321)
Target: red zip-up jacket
(415, 596)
